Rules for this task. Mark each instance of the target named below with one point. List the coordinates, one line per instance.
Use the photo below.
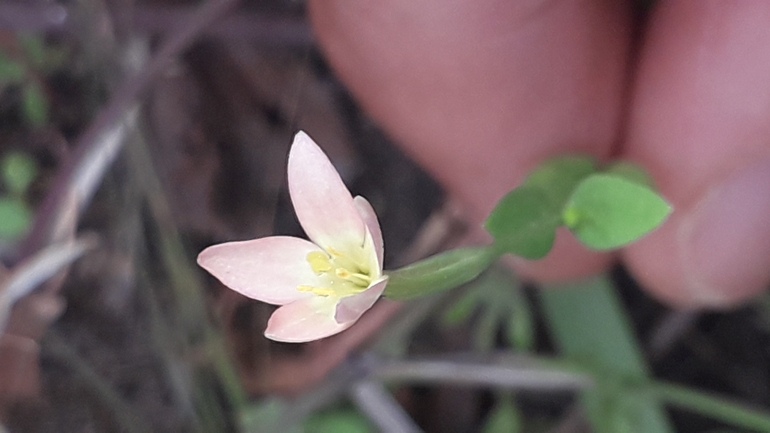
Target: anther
(319, 262)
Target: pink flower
(322, 286)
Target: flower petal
(351, 308)
(323, 204)
(304, 320)
(370, 219)
(267, 269)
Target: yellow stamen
(358, 279)
(319, 262)
(341, 260)
(320, 291)
(341, 275)
(323, 291)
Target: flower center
(343, 275)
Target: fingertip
(479, 92)
(656, 264)
(698, 122)
(716, 253)
(725, 240)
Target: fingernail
(726, 240)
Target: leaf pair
(604, 209)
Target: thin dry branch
(97, 147)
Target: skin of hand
(481, 91)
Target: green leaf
(589, 325)
(607, 211)
(524, 222)
(440, 272)
(558, 177)
(35, 104)
(505, 418)
(18, 171)
(15, 218)
(338, 421)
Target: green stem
(718, 408)
(443, 271)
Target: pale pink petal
(370, 219)
(305, 320)
(351, 308)
(323, 204)
(267, 269)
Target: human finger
(700, 121)
(480, 91)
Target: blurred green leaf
(485, 332)
(42, 56)
(723, 409)
(520, 331)
(18, 171)
(504, 418)
(524, 222)
(607, 211)
(338, 421)
(15, 217)
(266, 416)
(35, 104)
(590, 327)
(462, 308)
(500, 298)
(34, 49)
(11, 71)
